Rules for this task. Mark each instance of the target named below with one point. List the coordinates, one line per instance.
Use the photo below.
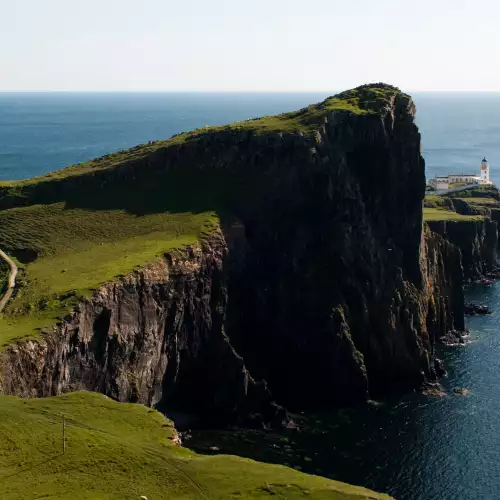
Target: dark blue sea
(47, 131)
(415, 448)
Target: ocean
(40, 132)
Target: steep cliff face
(324, 285)
(444, 275)
(477, 241)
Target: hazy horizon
(226, 46)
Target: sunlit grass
(434, 214)
(118, 451)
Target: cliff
(468, 220)
(158, 332)
(319, 289)
(477, 241)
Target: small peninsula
(234, 273)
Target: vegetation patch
(477, 192)
(434, 214)
(487, 202)
(118, 451)
(434, 201)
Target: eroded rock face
(158, 333)
(477, 241)
(322, 282)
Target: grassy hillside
(117, 451)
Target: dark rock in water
(461, 391)
(375, 404)
(439, 367)
(493, 274)
(433, 389)
(291, 425)
(455, 337)
(473, 309)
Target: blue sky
(256, 45)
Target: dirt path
(12, 279)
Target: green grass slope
(435, 214)
(117, 451)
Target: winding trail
(12, 279)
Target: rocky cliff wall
(324, 285)
(477, 241)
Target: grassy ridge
(122, 451)
(367, 99)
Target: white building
(441, 183)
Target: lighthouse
(485, 172)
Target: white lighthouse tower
(485, 172)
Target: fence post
(63, 434)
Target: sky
(258, 45)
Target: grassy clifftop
(122, 451)
(366, 99)
(466, 205)
(76, 228)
